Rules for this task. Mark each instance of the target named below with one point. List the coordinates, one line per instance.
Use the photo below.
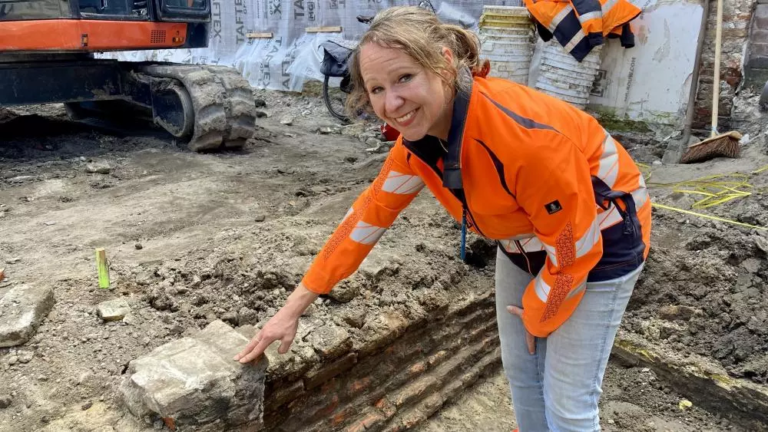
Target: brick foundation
(394, 381)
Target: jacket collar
(452, 161)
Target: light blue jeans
(558, 388)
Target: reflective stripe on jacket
(522, 165)
(580, 25)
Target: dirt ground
(196, 237)
(633, 400)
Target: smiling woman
(564, 201)
(404, 73)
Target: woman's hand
(530, 340)
(280, 327)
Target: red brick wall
(737, 16)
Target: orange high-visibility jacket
(580, 25)
(563, 199)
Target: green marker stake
(103, 265)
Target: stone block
(330, 340)
(761, 11)
(21, 311)
(114, 310)
(758, 50)
(381, 330)
(194, 382)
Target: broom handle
(716, 81)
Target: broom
(716, 145)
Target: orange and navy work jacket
(580, 25)
(561, 197)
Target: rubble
(231, 236)
(114, 310)
(98, 168)
(195, 382)
(21, 311)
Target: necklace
(442, 145)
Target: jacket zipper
(471, 218)
(465, 207)
(522, 251)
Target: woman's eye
(405, 78)
(375, 90)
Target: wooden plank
(103, 266)
(329, 29)
(259, 35)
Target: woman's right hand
(280, 327)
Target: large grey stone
(21, 311)
(194, 381)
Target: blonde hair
(419, 34)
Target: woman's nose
(393, 101)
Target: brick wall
(393, 381)
(737, 16)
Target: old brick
(292, 365)
(418, 368)
(369, 420)
(282, 394)
(761, 22)
(323, 373)
(761, 11)
(386, 407)
(759, 50)
(342, 416)
(381, 330)
(358, 386)
(414, 418)
(373, 419)
(759, 36)
(437, 357)
(761, 16)
(431, 404)
(328, 409)
(356, 427)
(414, 390)
(740, 33)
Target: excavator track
(222, 101)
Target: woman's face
(404, 94)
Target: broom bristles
(723, 145)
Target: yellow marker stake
(103, 265)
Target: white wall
(651, 82)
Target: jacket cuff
(595, 39)
(318, 282)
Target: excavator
(48, 55)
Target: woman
(565, 202)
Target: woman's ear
(447, 55)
